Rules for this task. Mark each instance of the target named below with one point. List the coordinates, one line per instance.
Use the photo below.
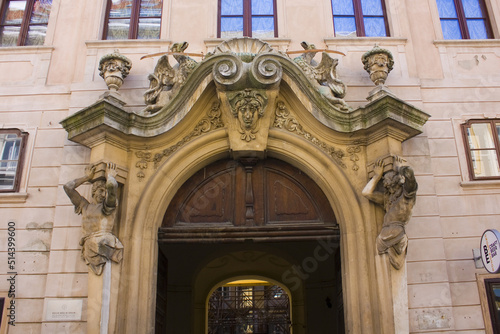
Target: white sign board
(64, 310)
(490, 250)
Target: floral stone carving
(114, 68)
(397, 198)
(99, 244)
(323, 76)
(166, 80)
(378, 63)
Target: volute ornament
(398, 199)
(378, 63)
(114, 68)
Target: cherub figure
(398, 199)
(99, 244)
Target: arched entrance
(249, 218)
(249, 305)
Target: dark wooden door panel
(248, 193)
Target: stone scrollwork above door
(284, 120)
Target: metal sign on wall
(490, 252)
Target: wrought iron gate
(249, 309)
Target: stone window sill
(467, 43)
(25, 49)
(486, 184)
(13, 197)
(127, 43)
(384, 41)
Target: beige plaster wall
(451, 80)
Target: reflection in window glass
(463, 19)
(252, 18)
(263, 27)
(31, 23)
(10, 153)
(359, 18)
(231, 27)
(133, 19)
(483, 145)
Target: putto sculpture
(99, 244)
(114, 68)
(398, 198)
(378, 63)
(166, 80)
(323, 76)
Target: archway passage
(249, 218)
(249, 306)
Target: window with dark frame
(24, 22)
(12, 147)
(251, 18)
(482, 142)
(133, 19)
(359, 18)
(493, 294)
(464, 19)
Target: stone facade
(55, 93)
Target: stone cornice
(108, 115)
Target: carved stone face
(379, 62)
(98, 192)
(248, 113)
(393, 181)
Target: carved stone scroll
(209, 123)
(284, 120)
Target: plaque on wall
(64, 310)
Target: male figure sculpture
(99, 244)
(398, 199)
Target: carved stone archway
(245, 100)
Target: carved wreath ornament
(248, 107)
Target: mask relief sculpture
(398, 198)
(323, 76)
(166, 80)
(98, 243)
(248, 107)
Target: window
(493, 295)
(133, 19)
(252, 18)
(482, 142)
(464, 19)
(24, 22)
(12, 144)
(359, 18)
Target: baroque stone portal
(398, 199)
(98, 243)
